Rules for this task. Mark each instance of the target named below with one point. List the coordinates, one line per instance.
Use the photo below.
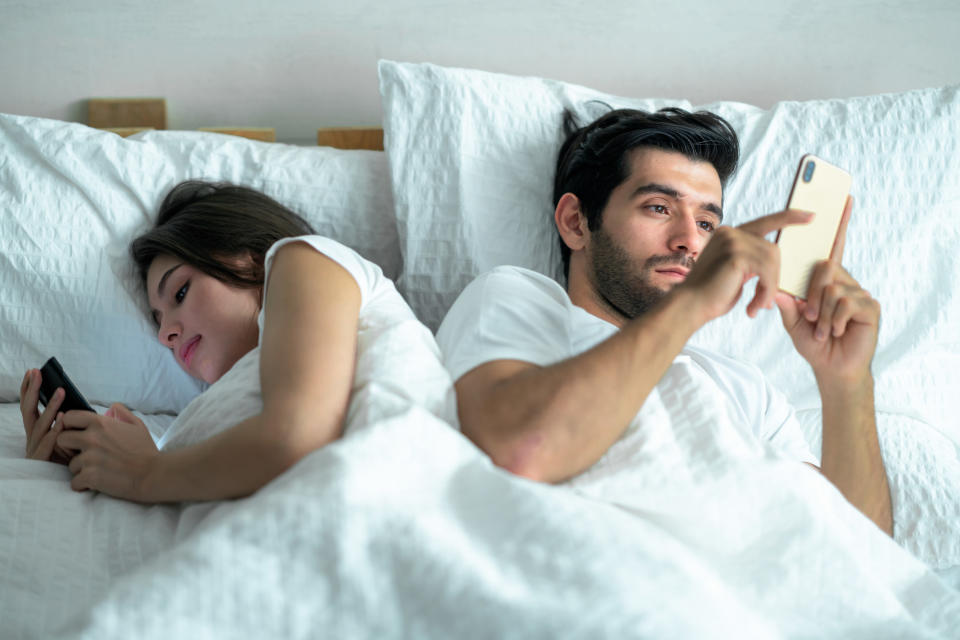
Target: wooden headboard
(126, 116)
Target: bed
(404, 529)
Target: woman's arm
(307, 357)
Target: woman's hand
(115, 452)
(41, 439)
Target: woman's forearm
(232, 464)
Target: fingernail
(820, 335)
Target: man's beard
(621, 282)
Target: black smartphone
(52, 377)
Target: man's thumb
(789, 309)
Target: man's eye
(181, 292)
(707, 226)
(658, 208)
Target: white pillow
(472, 158)
(71, 200)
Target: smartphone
(52, 376)
(822, 188)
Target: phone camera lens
(808, 171)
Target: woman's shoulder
(380, 302)
(333, 249)
(368, 275)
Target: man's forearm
(551, 423)
(851, 456)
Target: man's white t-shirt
(511, 313)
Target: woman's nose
(168, 333)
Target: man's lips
(675, 272)
(186, 351)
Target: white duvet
(403, 529)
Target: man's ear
(571, 222)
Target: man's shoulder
(507, 313)
(507, 282)
(514, 274)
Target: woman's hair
(595, 159)
(215, 227)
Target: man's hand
(836, 328)
(735, 255)
(115, 452)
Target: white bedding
(59, 546)
(403, 529)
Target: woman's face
(207, 324)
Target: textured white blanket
(403, 529)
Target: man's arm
(551, 423)
(840, 357)
(851, 456)
(836, 331)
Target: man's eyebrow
(670, 192)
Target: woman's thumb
(121, 413)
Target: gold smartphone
(822, 188)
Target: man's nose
(685, 236)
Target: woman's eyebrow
(163, 279)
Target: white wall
(300, 64)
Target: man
(548, 380)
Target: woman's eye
(181, 292)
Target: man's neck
(585, 296)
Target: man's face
(654, 227)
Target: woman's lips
(187, 351)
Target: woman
(227, 269)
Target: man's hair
(595, 159)
(210, 225)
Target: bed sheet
(60, 546)
(404, 529)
